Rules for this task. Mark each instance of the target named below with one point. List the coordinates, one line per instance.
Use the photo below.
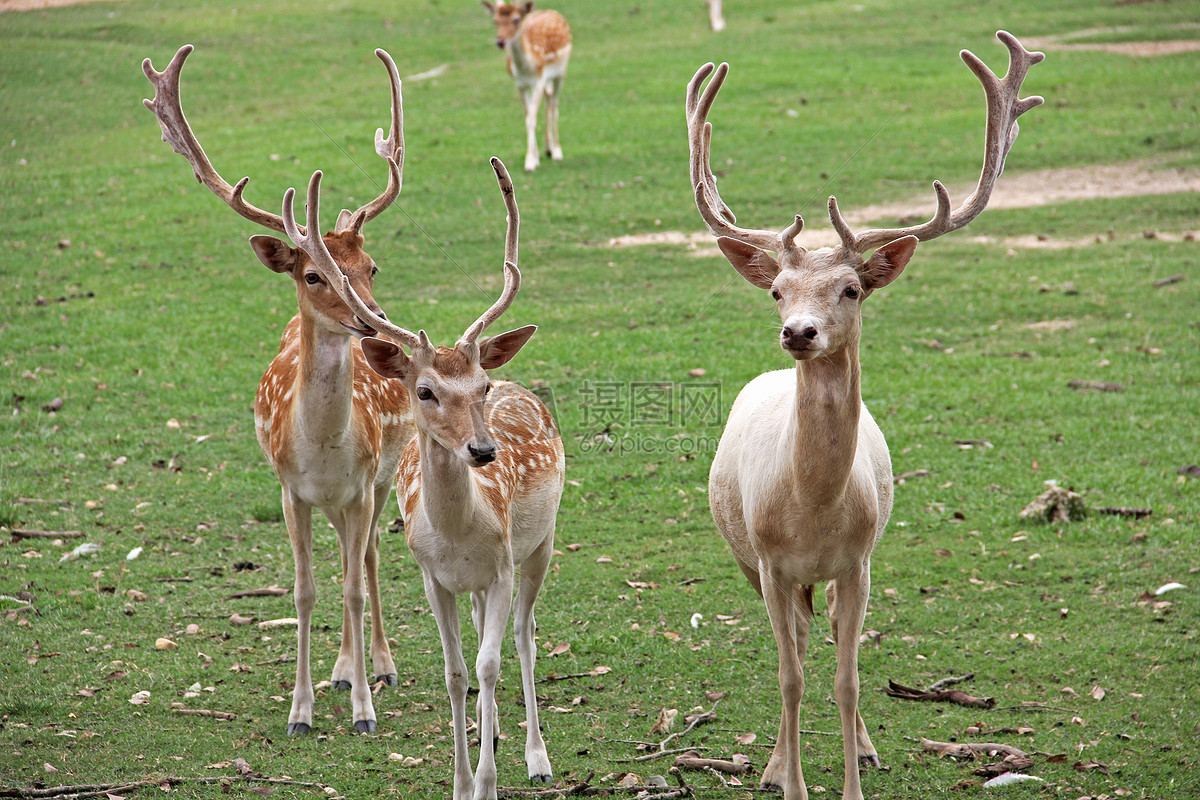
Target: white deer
(801, 484)
(481, 486)
(716, 20)
(331, 428)
(538, 45)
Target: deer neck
(449, 496)
(324, 383)
(823, 429)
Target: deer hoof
(871, 760)
(341, 685)
(298, 728)
(541, 778)
(390, 679)
(365, 726)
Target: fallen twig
(1125, 511)
(204, 712)
(26, 533)
(944, 682)
(947, 696)
(653, 756)
(970, 750)
(83, 790)
(270, 591)
(699, 719)
(694, 761)
(1161, 282)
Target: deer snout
(482, 452)
(800, 335)
(500, 43)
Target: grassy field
(132, 304)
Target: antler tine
(713, 210)
(178, 133)
(1003, 108)
(389, 148)
(510, 205)
(512, 283)
(310, 241)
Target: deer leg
(445, 611)
(716, 20)
(533, 574)
(381, 653)
(532, 95)
(867, 756)
(478, 604)
(496, 608)
(786, 621)
(298, 516)
(553, 145)
(354, 537)
(851, 592)
(342, 678)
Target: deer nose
(802, 332)
(484, 453)
(500, 43)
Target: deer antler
(512, 275)
(391, 149)
(512, 283)
(1004, 106)
(716, 215)
(310, 241)
(178, 133)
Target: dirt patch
(37, 5)
(1025, 190)
(1153, 49)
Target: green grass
(130, 293)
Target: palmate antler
(1004, 106)
(314, 246)
(178, 133)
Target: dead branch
(699, 719)
(83, 790)
(1095, 386)
(692, 761)
(654, 756)
(944, 682)
(204, 712)
(1161, 282)
(26, 533)
(970, 750)
(1125, 511)
(946, 696)
(270, 591)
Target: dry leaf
(140, 698)
(666, 718)
(1098, 693)
(164, 644)
(746, 738)
(629, 779)
(560, 648)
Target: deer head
(320, 287)
(819, 293)
(507, 17)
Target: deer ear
(757, 266)
(525, 9)
(276, 254)
(496, 351)
(886, 263)
(491, 7)
(386, 358)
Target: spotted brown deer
(480, 484)
(801, 484)
(538, 46)
(329, 425)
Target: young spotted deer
(329, 425)
(538, 44)
(801, 484)
(480, 484)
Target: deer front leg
(496, 608)
(867, 756)
(445, 611)
(353, 538)
(478, 604)
(533, 574)
(851, 608)
(531, 96)
(787, 619)
(381, 653)
(553, 145)
(298, 516)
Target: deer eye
(851, 292)
(487, 389)
(423, 393)
(312, 278)
(374, 271)
(775, 295)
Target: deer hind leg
(381, 653)
(353, 539)
(533, 574)
(553, 145)
(850, 593)
(867, 756)
(497, 604)
(790, 624)
(532, 97)
(298, 516)
(445, 611)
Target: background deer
(331, 428)
(716, 20)
(538, 44)
(801, 484)
(481, 484)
